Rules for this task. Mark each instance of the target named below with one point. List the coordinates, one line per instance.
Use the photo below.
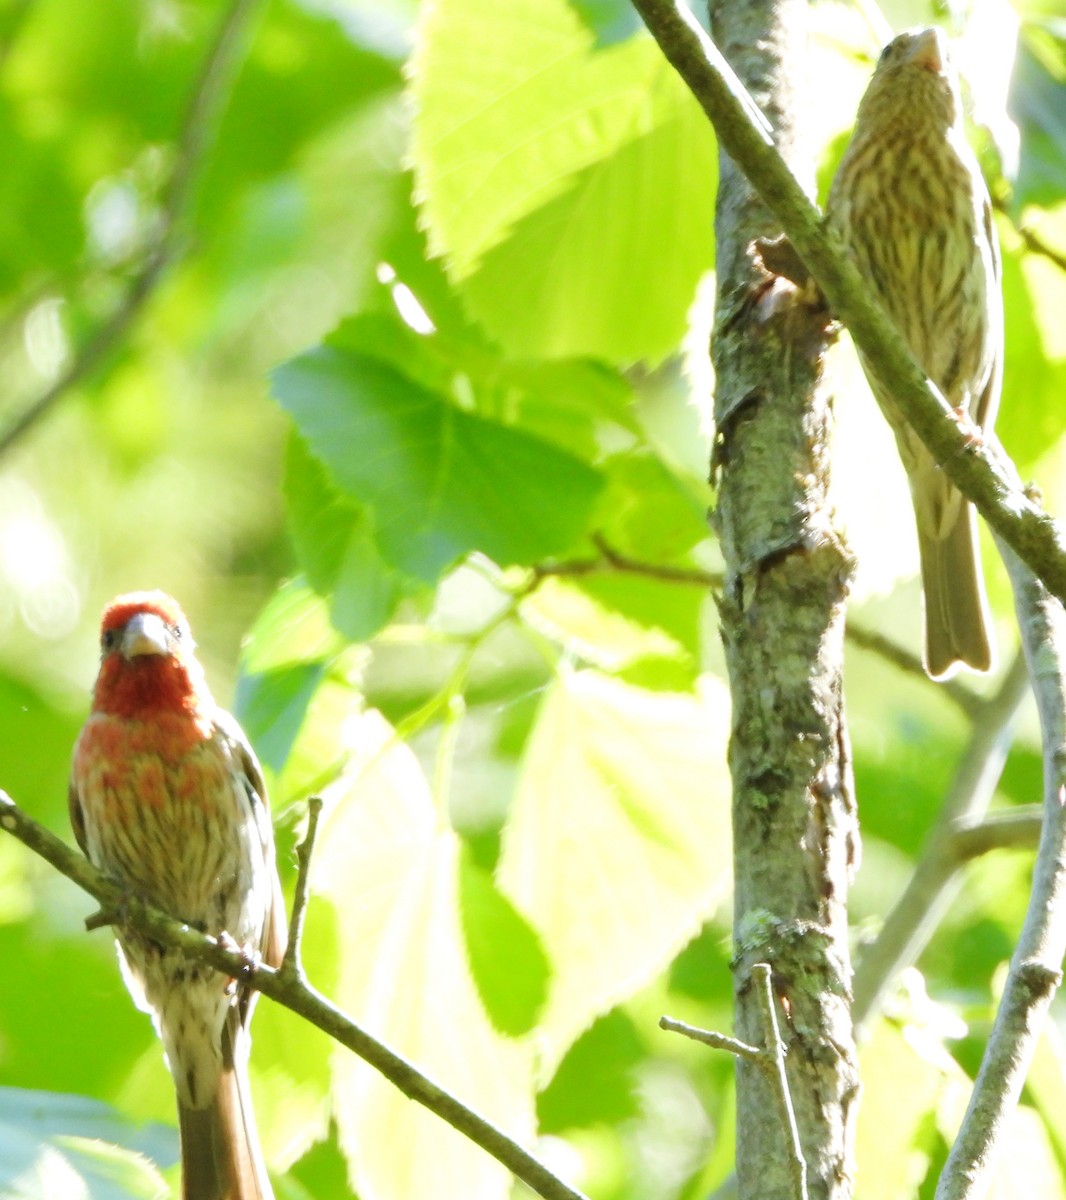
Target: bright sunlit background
(446, 565)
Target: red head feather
(147, 663)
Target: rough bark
(782, 624)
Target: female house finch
(166, 796)
(910, 203)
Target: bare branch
(1035, 970)
(769, 1059)
(288, 990)
(198, 128)
(717, 1041)
(906, 660)
(1015, 829)
(612, 560)
(1033, 241)
(633, 566)
(934, 883)
(291, 964)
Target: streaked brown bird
(166, 796)
(911, 204)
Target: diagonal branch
(933, 885)
(197, 130)
(286, 988)
(1036, 966)
(980, 470)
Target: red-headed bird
(166, 796)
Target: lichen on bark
(782, 624)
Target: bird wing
(988, 401)
(77, 817)
(274, 932)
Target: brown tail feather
(220, 1154)
(956, 619)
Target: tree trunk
(782, 622)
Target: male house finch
(910, 203)
(167, 797)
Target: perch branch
(286, 989)
(1036, 966)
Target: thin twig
(929, 892)
(294, 994)
(292, 963)
(775, 1062)
(1035, 970)
(717, 1041)
(1013, 829)
(770, 1059)
(634, 566)
(980, 469)
(612, 560)
(1033, 240)
(961, 694)
(198, 128)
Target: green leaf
(616, 622)
(271, 708)
(579, 403)
(1046, 1085)
(53, 1146)
(290, 1063)
(583, 174)
(619, 255)
(596, 1081)
(292, 630)
(439, 481)
(335, 545)
(624, 801)
(318, 753)
(390, 867)
(891, 1157)
(273, 93)
(506, 958)
(701, 970)
(1038, 91)
(610, 20)
(291, 709)
(109, 1171)
(1032, 417)
(650, 512)
(44, 733)
(321, 518)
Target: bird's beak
(930, 50)
(145, 633)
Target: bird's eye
(108, 640)
(176, 632)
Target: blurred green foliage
(418, 408)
